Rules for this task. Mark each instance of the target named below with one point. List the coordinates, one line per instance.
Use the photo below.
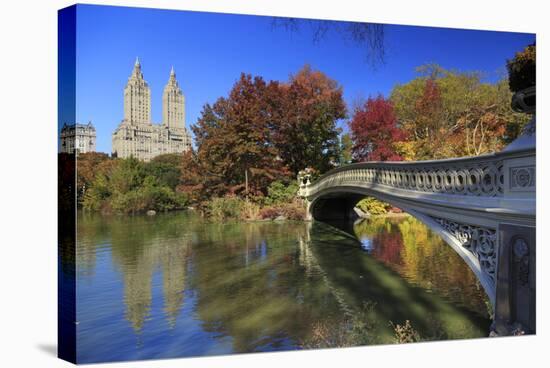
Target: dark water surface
(173, 285)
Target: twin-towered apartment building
(136, 135)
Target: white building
(136, 135)
(78, 138)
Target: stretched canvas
(239, 183)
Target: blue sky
(210, 50)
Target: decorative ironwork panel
(522, 178)
(480, 241)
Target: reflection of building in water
(173, 259)
(85, 258)
(137, 288)
(138, 265)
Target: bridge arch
(483, 207)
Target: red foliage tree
(233, 144)
(374, 131)
(429, 106)
(305, 131)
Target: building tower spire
(137, 136)
(173, 103)
(137, 69)
(137, 97)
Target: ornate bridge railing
(501, 179)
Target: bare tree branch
(369, 36)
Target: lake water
(174, 285)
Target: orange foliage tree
(262, 132)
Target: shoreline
(389, 215)
(194, 209)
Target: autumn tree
(87, 166)
(375, 131)
(452, 114)
(262, 132)
(235, 153)
(305, 131)
(425, 125)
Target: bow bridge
(483, 207)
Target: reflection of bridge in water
(483, 207)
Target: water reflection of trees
(422, 257)
(363, 279)
(266, 285)
(251, 285)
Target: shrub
(293, 211)
(277, 192)
(222, 208)
(123, 186)
(250, 211)
(354, 331)
(269, 212)
(405, 333)
(373, 206)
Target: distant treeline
(126, 185)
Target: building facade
(78, 138)
(136, 136)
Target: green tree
(166, 168)
(125, 186)
(127, 176)
(346, 146)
